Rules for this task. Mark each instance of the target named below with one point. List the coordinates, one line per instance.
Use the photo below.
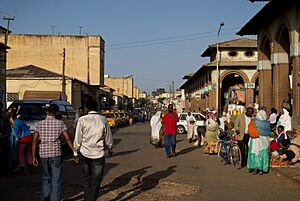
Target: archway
(232, 91)
(282, 69)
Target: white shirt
(248, 120)
(273, 118)
(92, 136)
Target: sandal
(261, 173)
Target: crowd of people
(22, 150)
(262, 138)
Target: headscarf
(285, 120)
(155, 119)
(261, 123)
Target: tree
(158, 91)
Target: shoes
(174, 154)
(169, 156)
(255, 172)
(261, 173)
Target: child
(281, 135)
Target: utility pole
(53, 29)
(218, 73)
(63, 89)
(3, 72)
(173, 90)
(80, 28)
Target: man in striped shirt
(49, 133)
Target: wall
(46, 51)
(121, 85)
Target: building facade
(277, 26)
(84, 55)
(238, 77)
(123, 86)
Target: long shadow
(124, 153)
(149, 182)
(186, 150)
(123, 180)
(80, 195)
(117, 141)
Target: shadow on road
(123, 180)
(117, 141)
(149, 182)
(124, 153)
(186, 150)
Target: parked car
(182, 124)
(111, 119)
(34, 110)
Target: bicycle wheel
(222, 152)
(236, 156)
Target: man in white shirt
(92, 137)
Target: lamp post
(217, 68)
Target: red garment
(26, 139)
(169, 123)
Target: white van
(182, 124)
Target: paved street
(138, 171)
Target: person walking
(48, 132)
(24, 139)
(169, 121)
(241, 127)
(258, 154)
(210, 139)
(155, 123)
(92, 137)
(190, 120)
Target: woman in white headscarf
(258, 153)
(190, 120)
(285, 120)
(156, 125)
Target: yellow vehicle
(111, 119)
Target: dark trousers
(93, 170)
(243, 144)
(170, 143)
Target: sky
(156, 41)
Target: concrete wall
(84, 55)
(121, 85)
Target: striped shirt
(50, 131)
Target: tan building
(238, 79)
(84, 55)
(278, 31)
(143, 95)
(136, 92)
(34, 82)
(122, 85)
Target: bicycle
(228, 149)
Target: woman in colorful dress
(258, 153)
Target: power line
(166, 38)
(165, 42)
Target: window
(249, 54)
(183, 116)
(62, 111)
(12, 97)
(233, 53)
(71, 113)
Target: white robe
(156, 125)
(190, 126)
(285, 120)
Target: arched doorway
(233, 90)
(282, 69)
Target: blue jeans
(170, 143)
(93, 170)
(52, 170)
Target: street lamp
(217, 68)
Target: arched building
(238, 76)
(277, 26)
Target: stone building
(3, 52)
(84, 55)
(238, 79)
(277, 26)
(122, 85)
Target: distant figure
(93, 136)
(169, 121)
(273, 118)
(212, 129)
(48, 132)
(190, 120)
(156, 125)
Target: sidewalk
(292, 173)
